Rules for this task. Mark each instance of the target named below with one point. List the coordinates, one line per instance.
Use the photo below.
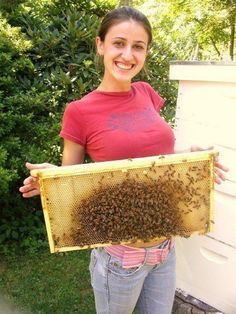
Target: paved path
(185, 304)
(6, 308)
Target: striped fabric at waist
(134, 257)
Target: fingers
(196, 148)
(220, 166)
(31, 193)
(28, 190)
(30, 180)
(217, 180)
(31, 185)
(31, 166)
(219, 175)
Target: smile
(123, 66)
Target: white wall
(206, 115)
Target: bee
(133, 209)
(56, 240)
(101, 179)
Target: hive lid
(208, 71)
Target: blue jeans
(149, 288)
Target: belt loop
(161, 257)
(165, 251)
(146, 256)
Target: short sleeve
(73, 125)
(157, 100)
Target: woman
(121, 120)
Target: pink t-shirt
(119, 125)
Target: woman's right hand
(31, 185)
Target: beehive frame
(64, 189)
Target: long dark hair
(124, 14)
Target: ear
(99, 44)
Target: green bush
(158, 77)
(46, 60)
(47, 53)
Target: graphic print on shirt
(131, 121)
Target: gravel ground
(186, 304)
(6, 308)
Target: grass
(47, 283)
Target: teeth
(124, 66)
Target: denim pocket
(114, 266)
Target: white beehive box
(206, 115)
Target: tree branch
(232, 36)
(214, 45)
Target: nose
(127, 53)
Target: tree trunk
(195, 53)
(232, 36)
(214, 45)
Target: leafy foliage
(194, 29)
(47, 53)
(47, 59)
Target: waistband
(134, 257)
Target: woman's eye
(138, 47)
(119, 44)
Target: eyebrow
(136, 41)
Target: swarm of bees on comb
(144, 205)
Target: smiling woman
(124, 55)
(121, 120)
(123, 52)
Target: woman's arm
(73, 153)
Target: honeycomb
(126, 201)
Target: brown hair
(123, 14)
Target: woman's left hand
(219, 168)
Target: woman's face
(124, 51)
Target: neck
(114, 86)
